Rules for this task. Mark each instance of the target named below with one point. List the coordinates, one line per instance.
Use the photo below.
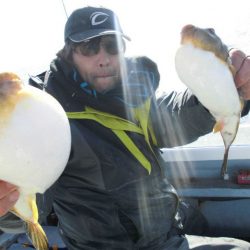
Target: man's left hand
(241, 62)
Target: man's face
(98, 62)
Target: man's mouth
(106, 76)
(103, 76)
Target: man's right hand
(9, 194)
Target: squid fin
(37, 236)
(218, 127)
(34, 229)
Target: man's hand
(241, 62)
(8, 196)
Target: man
(113, 193)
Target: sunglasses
(109, 43)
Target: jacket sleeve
(246, 108)
(10, 223)
(179, 119)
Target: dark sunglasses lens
(112, 47)
(90, 48)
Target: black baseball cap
(89, 22)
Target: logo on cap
(102, 18)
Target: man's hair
(66, 53)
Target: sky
(32, 30)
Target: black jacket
(105, 199)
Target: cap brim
(87, 35)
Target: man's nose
(103, 56)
